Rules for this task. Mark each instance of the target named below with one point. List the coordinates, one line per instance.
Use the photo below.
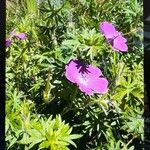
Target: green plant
(46, 111)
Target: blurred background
(146, 72)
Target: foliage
(43, 109)
(30, 129)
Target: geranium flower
(8, 42)
(13, 33)
(21, 36)
(89, 78)
(115, 38)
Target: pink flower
(21, 36)
(87, 77)
(13, 33)
(115, 38)
(8, 42)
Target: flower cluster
(14, 34)
(87, 77)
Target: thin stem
(132, 31)
(114, 64)
(119, 72)
(130, 141)
(72, 99)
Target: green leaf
(44, 144)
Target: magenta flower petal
(115, 38)
(94, 71)
(86, 89)
(119, 44)
(83, 79)
(99, 85)
(8, 42)
(21, 36)
(72, 71)
(107, 29)
(87, 77)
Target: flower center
(83, 79)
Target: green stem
(114, 61)
(72, 99)
(132, 31)
(114, 68)
(119, 72)
(123, 105)
(134, 137)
